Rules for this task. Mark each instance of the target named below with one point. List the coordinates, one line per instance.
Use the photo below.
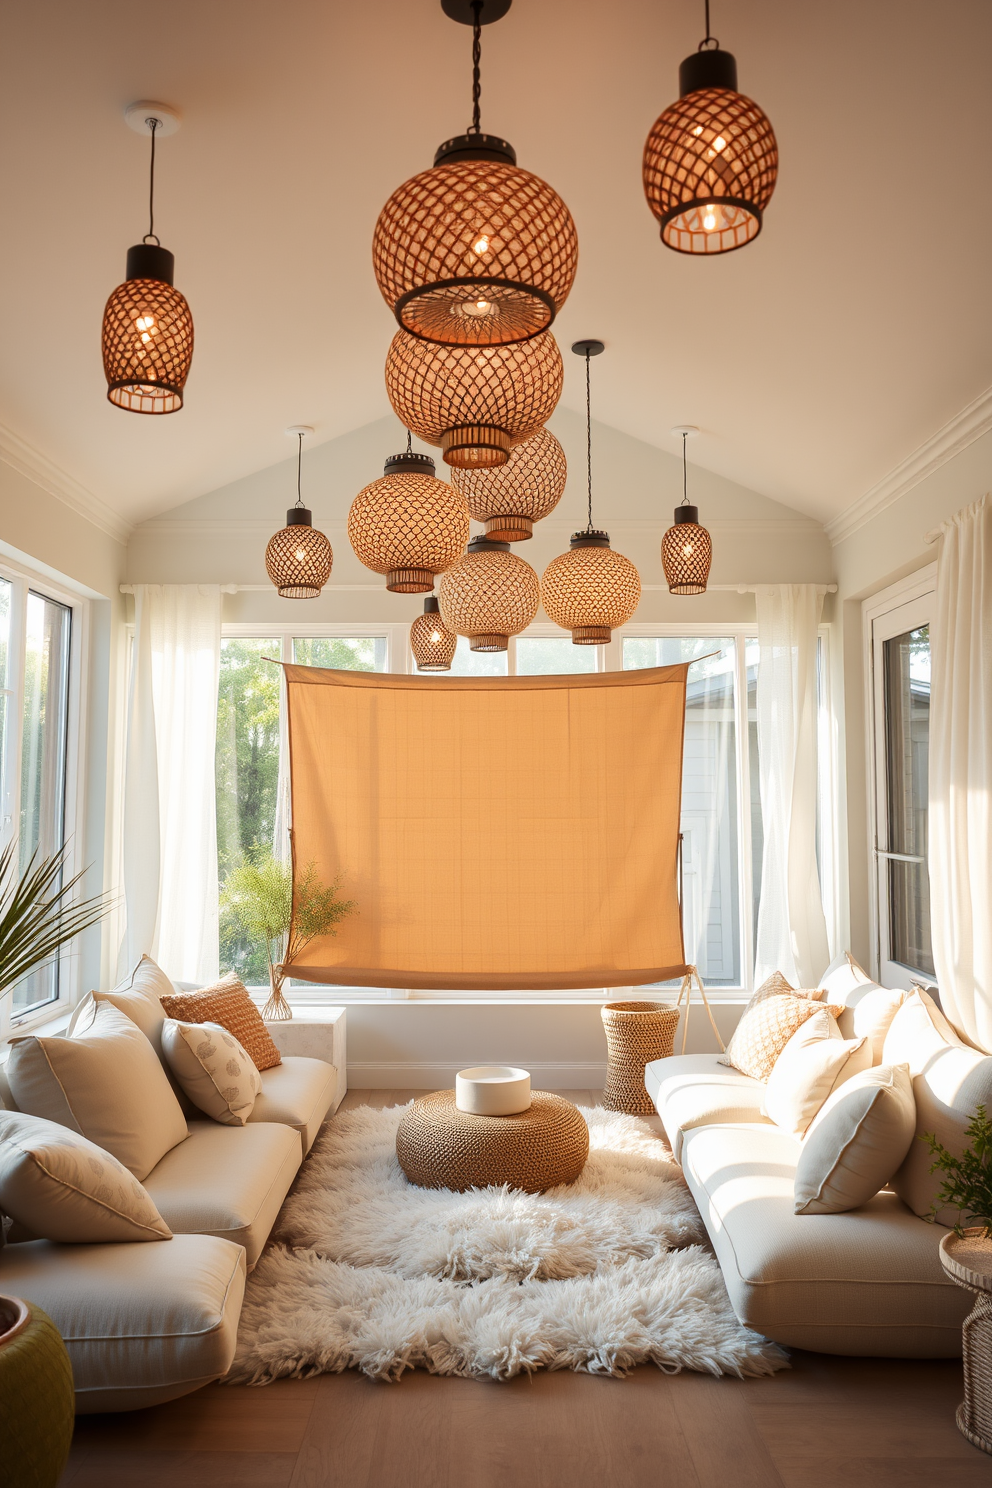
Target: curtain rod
(376, 588)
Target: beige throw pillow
(213, 1069)
(868, 1013)
(842, 976)
(766, 1026)
(814, 1063)
(949, 1080)
(107, 1084)
(138, 995)
(227, 1002)
(58, 1186)
(856, 1141)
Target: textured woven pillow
(814, 1063)
(227, 1002)
(856, 1142)
(213, 1069)
(767, 1024)
(58, 1186)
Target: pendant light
(431, 641)
(590, 590)
(686, 548)
(476, 402)
(475, 251)
(489, 595)
(711, 159)
(147, 325)
(510, 498)
(298, 558)
(408, 525)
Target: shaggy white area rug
(369, 1272)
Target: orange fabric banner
(510, 833)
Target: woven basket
(439, 1146)
(636, 1033)
(968, 1259)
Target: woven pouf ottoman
(439, 1146)
(636, 1033)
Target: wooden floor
(860, 1423)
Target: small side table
(317, 1032)
(967, 1259)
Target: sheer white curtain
(961, 772)
(792, 932)
(170, 816)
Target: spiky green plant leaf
(38, 915)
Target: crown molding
(37, 468)
(963, 429)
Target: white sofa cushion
(842, 976)
(815, 1062)
(212, 1067)
(228, 1181)
(869, 1282)
(691, 1090)
(142, 1323)
(857, 1141)
(138, 995)
(766, 1026)
(299, 1092)
(868, 1013)
(107, 1084)
(56, 1184)
(949, 1080)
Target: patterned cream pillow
(767, 1024)
(227, 1002)
(777, 983)
(213, 1069)
(57, 1185)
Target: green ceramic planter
(36, 1397)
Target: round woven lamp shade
(147, 335)
(686, 553)
(489, 595)
(475, 251)
(510, 498)
(475, 402)
(711, 161)
(298, 558)
(590, 590)
(431, 641)
(408, 524)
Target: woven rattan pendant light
(298, 558)
(408, 525)
(431, 641)
(147, 325)
(590, 590)
(489, 595)
(686, 548)
(476, 251)
(510, 498)
(475, 402)
(711, 160)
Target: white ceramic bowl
(492, 1090)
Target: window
(36, 641)
(899, 653)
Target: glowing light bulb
(145, 323)
(476, 307)
(481, 244)
(435, 637)
(709, 217)
(698, 130)
(719, 143)
(687, 550)
(300, 555)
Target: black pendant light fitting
(686, 548)
(298, 558)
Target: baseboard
(419, 1075)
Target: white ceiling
(814, 360)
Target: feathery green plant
(260, 894)
(37, 913)
(967, 1179)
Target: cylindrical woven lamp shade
(510, 498)
(474, 402)
(408, 525)
(686, 553)
(298, 558)
(488, 596)
(590, 590)
(475, 252)
(431, 641)
(147, 346)
(710, 161)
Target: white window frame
(893, 611)
(24, 580)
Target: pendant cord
(685, 483)
(153, 124)
(409, 442)
(589, 441)
(476, 125)
(704, 45)
(299, 471)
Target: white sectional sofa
(867, 1281)
(145, 1323)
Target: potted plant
(38, 916)
(260, 893)
(967, 1184)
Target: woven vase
(636, 1033)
